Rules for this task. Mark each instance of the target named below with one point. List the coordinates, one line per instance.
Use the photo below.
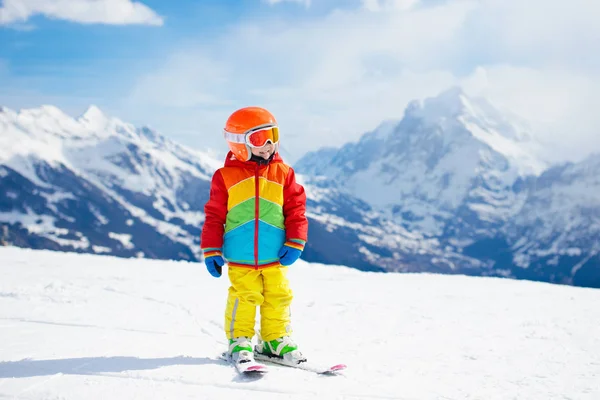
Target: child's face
(265, 152)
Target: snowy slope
(98, 327)
(97, 184)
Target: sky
(330, 70)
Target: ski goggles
(255, 137)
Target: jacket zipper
(256, 215)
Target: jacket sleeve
(215, 211)
(294, 210)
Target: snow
(98, 327)
(111, 155)
(58, 196)
(102, 220)
(520, 156)
(32, 222)
(101, 249)
(94, 119)
(124, 238)
(448, 152)
(556, 214)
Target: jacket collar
(231, 161)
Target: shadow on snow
(93, 365)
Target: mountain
(97, 184)
(455, 186)
(557, 231)
(124, 329)
(447, 154)
(463, 179)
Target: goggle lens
(260, 136)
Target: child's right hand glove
(214, 263)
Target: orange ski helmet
(250, 127)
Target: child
(255, 219)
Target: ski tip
(334, 369)
(338, 367)
(252, 370)
(255, 372)
(256, 368)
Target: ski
(247, 367)
(304, 365)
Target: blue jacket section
(239, 243)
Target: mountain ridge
(446, 175)
(435, 191)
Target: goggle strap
(260, 128)
(234, 137)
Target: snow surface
(98, 327)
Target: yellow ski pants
(267, 288)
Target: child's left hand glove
(290, 252)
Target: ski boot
(240, 350)
(241, 355)
(283, 349)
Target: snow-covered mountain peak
(383, 130)
(450, 125)
(455, 104)
(133, 178)
(449, 103)
(150, 134)
(93, 112)
(94, 120)
(450, 152)
(6, 113)
(41, 120)
(454, 118)
(46, 110)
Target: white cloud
(116, 12)
(185, 80)
(340, 76)
(539, 32)
(559, 103)
(329, 80)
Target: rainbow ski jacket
(253, 210)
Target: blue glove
(214, 265)
(288, 255)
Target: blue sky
(330, 70)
